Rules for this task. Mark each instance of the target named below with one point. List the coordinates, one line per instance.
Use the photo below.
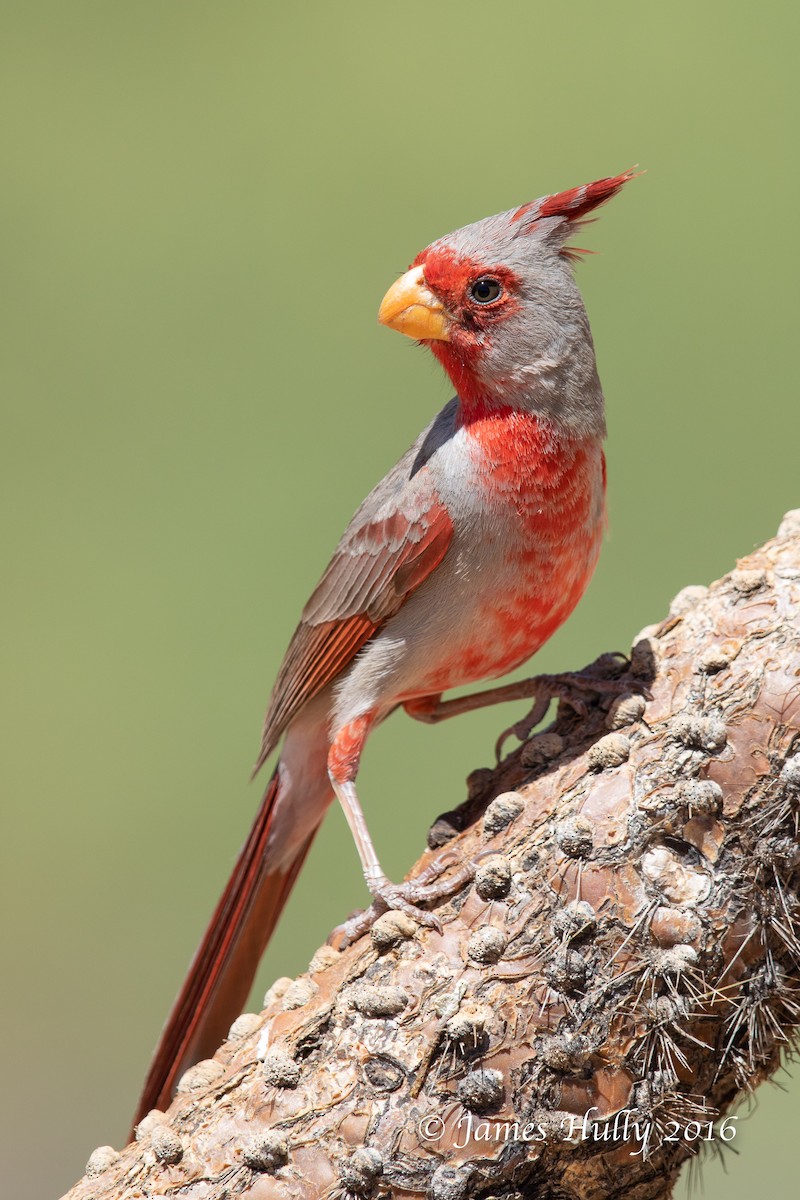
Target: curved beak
(411, 308)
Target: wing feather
(379, 562)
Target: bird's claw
(406, 897)
(567, 687)
(523, 729)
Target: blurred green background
(202, 205)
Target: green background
(202, 205)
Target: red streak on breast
(556, 487)
(548, 493)
(549, 477)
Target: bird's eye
(486, 289)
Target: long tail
(222, 971)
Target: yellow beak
(411, 308)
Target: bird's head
(498, 305)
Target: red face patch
(451, 276)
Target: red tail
(222, 971)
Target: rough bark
(629, 946)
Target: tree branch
(621, 971)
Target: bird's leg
(567, 686)
(343, 760)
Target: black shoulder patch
(441, 430)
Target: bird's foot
(573, 688)
(426, 888)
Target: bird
(457, 567)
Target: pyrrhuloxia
(458, 566)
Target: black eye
(486, 289)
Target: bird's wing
(399, 535)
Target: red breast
(556, 487)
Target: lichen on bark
(621, 970)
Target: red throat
(460, 364)
(448, 275)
